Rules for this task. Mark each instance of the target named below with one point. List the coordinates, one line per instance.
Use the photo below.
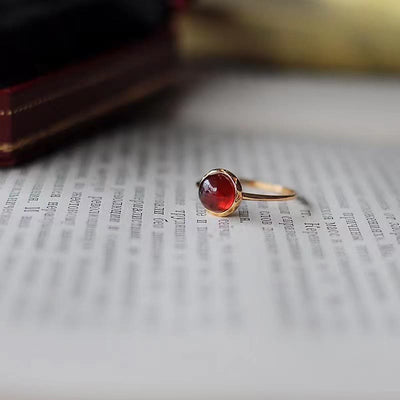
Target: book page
(116, 283)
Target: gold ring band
(220, 192)
(280, 193)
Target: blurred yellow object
(355, 34)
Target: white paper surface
(115, 282)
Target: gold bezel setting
(236, 184)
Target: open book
(116, 284)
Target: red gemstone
(217, 192)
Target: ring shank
(279, 192)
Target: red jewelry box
(36, 115)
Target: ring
(221, 192)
